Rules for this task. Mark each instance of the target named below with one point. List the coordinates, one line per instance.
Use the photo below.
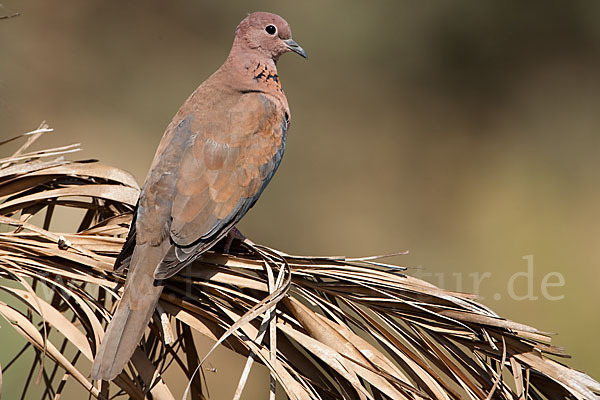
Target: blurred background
(466, 132)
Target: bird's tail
(132, 316)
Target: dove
(213, 162)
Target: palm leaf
(325, 327)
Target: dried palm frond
(325, 327)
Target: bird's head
(268, 34)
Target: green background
(466, 132)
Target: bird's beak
(293, 46)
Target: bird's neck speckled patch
(263, 74)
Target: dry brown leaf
(348, 328)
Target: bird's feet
(233, 234)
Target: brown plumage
(213, 162)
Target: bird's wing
(221, 174)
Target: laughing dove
(213, 162)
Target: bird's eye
(271, 30)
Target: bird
(213, 162)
